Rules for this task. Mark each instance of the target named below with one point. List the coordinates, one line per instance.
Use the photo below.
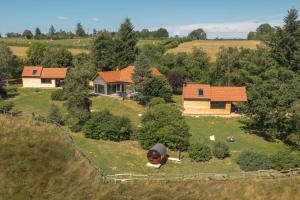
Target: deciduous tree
(165, 124)
(77, 97)
(198, 34)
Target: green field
(69, 43)
(127, 156)
(81, 43)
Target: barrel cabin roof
(123, 75)
(214, 93)
(41, 72)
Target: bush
(285, 160)
(155, 101)
(200, 152)
(55, 116)
(58, 95)
(251, 160)
(104, 125)
(5, 107)
(220, 150)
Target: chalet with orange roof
(116, 82)
(40, 77)
(201, 99)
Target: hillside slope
(38, 162)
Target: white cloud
(221, 30)
(62, 17)
(95, 19)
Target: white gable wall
(36, 83)
(99, 81)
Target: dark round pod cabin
(157, 154)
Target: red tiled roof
(28, 71)
(215, 93)
(54, 72)
(38, 71)
(123, 75)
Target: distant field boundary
(164, 177)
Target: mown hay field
(212, 47)
(21, 51)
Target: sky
(219, 18)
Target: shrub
(104, 125)
(220, 150)
(285, 160)
(251, 160)
(58, 95)
(200, 152)
(155, 101)
(5, 106)
(55, 115)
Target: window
(99, 89)
(217, 105)
(201, 92)
(46, 81)
(34, 72)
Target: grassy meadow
(211, 47)
(127, 156)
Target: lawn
(127, 108)
(211, 47)
(127, 156)
(36, 101)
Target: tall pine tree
(79, 30)
(285, 42)
(126, 44)
(103, 52)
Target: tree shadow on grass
(251, 129)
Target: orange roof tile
(54, 72)
(38, 71)
(32, 71)
(123, 75)
(215, 93)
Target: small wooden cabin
(157, 154)
(202, 99)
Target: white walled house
(39, 77)
(115, 82)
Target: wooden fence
(164, 177)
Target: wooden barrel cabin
(157, 154)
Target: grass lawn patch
(203, 127)
(35, 100)
(126, 108)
